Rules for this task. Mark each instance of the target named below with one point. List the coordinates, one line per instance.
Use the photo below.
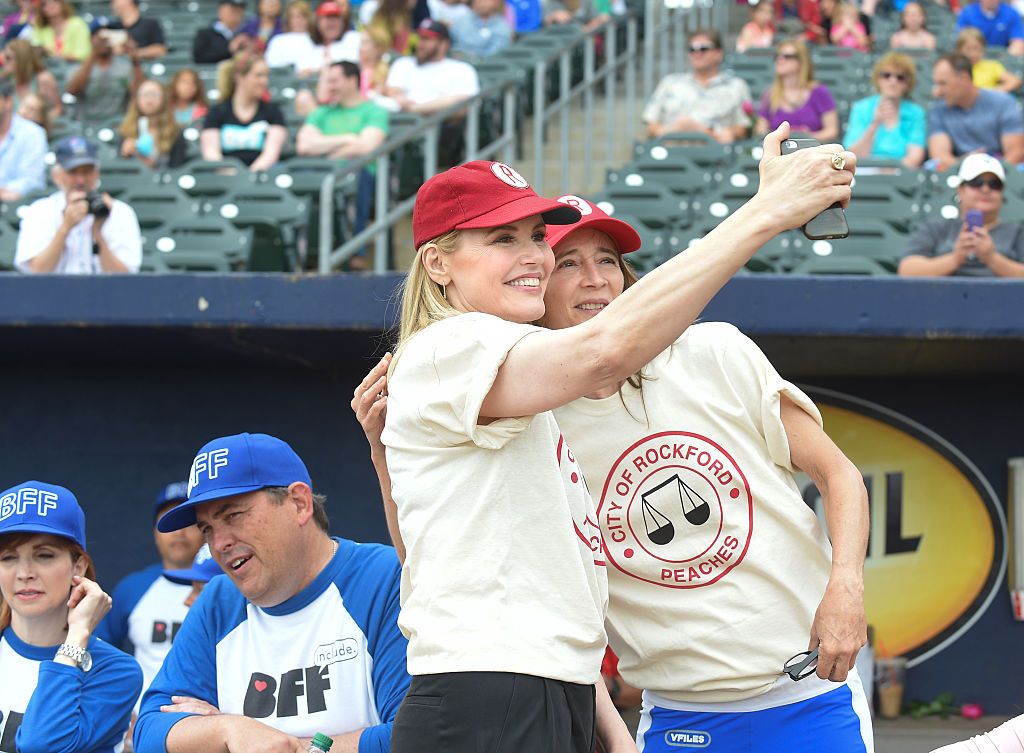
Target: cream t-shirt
(716, 564)
(504, 569)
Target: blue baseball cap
(75, 151)
(238, 464)
(175, 492)
(204, 567)
(35, 507)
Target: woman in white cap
(504, 583)
(62, 690)
(977, 243)
(687, 459)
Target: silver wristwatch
(77, 654)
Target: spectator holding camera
(978, 243)
(22, 149)
(78, 230)
(105, 82)
(224, 38)
(965, 119)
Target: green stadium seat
(201, 178)
(276, 216)
(678, 177)
(8, 244)
(696, 147)
(840, 265)
(156, 204)
(652, 203)
(119, 176)
(200, 244)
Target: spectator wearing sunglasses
(887, 125)
(705, 99)
(965, 119)
(796, 97)
(977, 244)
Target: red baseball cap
(329, 8)
(480, 194)
(627, 240)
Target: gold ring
(838, 161)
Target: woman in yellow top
(62, 33)
(987, 74)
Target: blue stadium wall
(110, 385)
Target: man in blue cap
(301, 637)
(148, 607)
(78, 230)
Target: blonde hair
(968, 34)
(300, 5)
(806, 75)
(232, 69)
(898, 61)
(423, 300)
(844, 7)
(163, 125)
(14, 540)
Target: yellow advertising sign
(937, 551)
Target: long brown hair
(67, 10)
(163, 125)
(28, 61)
(14, 540)
(172, 88)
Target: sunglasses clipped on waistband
(993, 183)
(802, 665)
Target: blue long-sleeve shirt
(481, 36)
(22, 153)
(46, 707)
(330, 659)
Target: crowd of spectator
(416, 56)
(973, 110)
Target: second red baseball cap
(329, 8)
(477, 195)
(622, 233)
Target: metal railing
(428, 132)
(554, 61)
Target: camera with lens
(97, 206)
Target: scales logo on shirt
(676, 511)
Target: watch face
(86, 663)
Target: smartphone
(116, 37)
(974, 219)
(829, 224)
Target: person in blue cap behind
(148, 608)
(204, 569)
(301, 637)
(62, 690)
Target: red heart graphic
(161, 626)
(260, 686)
